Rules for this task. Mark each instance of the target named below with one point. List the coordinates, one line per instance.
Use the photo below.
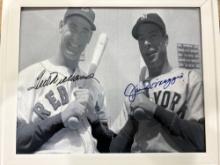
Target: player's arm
(123, 141)
(192, 131)
(103, 135)
(31, 136)
(100, 129)
(191, 128)
(126, 127)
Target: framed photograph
(104, 81)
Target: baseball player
(164, 111)
(57, 102)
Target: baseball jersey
(179, 91)
(39, 100)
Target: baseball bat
(96, 58)
(139, 113)
(98, 53)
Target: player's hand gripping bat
(96, 58)
(139, 113)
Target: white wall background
(39, 39)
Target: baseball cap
(85, 13)
(151, 18)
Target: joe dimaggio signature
(53, 79)
(131, 90)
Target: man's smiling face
(152, 43)
(75, 35)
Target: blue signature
(131, 90)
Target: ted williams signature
(131, 90)
(53, 79)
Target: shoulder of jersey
(31, 70)
(192, 74)
(28, 75)
(188, 74)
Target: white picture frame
(9, 74)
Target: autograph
(53, 79)
(131, 90)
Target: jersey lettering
(52, 99)
(175, 100)
(182, 111)
(41, 111)
(167, 99)
(156, 96)
(63, 95)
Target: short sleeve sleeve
(195, 97)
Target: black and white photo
(163, 112)
(97, 82)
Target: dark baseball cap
(151, 18)
(85, 13)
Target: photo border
(8, 83)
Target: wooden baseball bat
(96, 58)
(139, 113)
